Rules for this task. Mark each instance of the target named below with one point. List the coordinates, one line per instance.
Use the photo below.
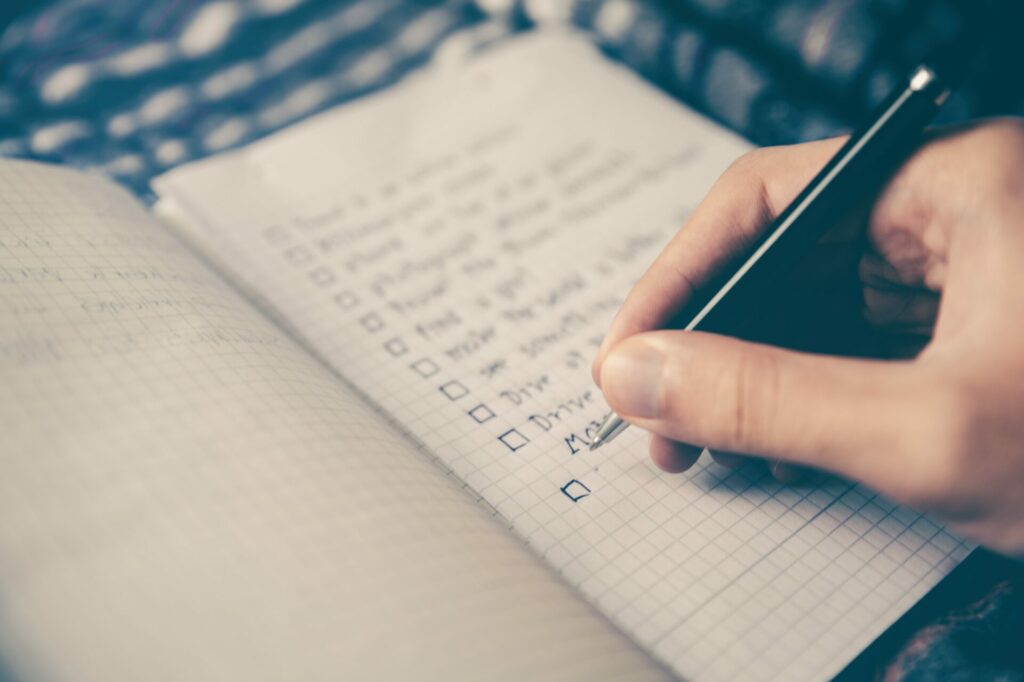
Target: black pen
(861, 167)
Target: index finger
(741, 203)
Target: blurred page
(187, 495)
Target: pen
(861, 166)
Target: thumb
(838, 414)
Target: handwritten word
(474, 341)
(528, 391)
(549, 418)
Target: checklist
(461, 269)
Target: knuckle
(748, 166)
(1008, 133)
(745, 183)
(999, 144)
(749, 395)
(1009, 158)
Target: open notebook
(325, 414)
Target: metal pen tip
(611, 427)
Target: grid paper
(455, 248)
(187, 495)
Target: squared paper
(493, 217)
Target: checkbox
(346, 300)
(426, 367)
(513, 440)
(298, 255)
(575, 490)
(372, 322)
(396, 347)
(453, 390)
(322, 276)
(481, 413)
(277, 235)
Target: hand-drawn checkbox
(513, 440)
(575, 490)
(346, 300)
(276, 234)
(298, 255)
(425, 367)
(322, 276)
(453, 390)
(481, 413)
(372, 322)
(396, 347)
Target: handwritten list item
(490, 219)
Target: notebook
(323, 412)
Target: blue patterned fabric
(133, 87)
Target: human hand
(943, 264)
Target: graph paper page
(188, 495)
(456, 247)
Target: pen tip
(596, 444)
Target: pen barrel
(854, 175)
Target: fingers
(729, 460)
(740, 204)
(781, 471)
(671, 456)
(786, 473)
(836, 414)
(892, 306)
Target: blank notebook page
(455, 248)
(187, 495)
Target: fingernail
(784, 473)
(631, 378)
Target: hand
(942, 263)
